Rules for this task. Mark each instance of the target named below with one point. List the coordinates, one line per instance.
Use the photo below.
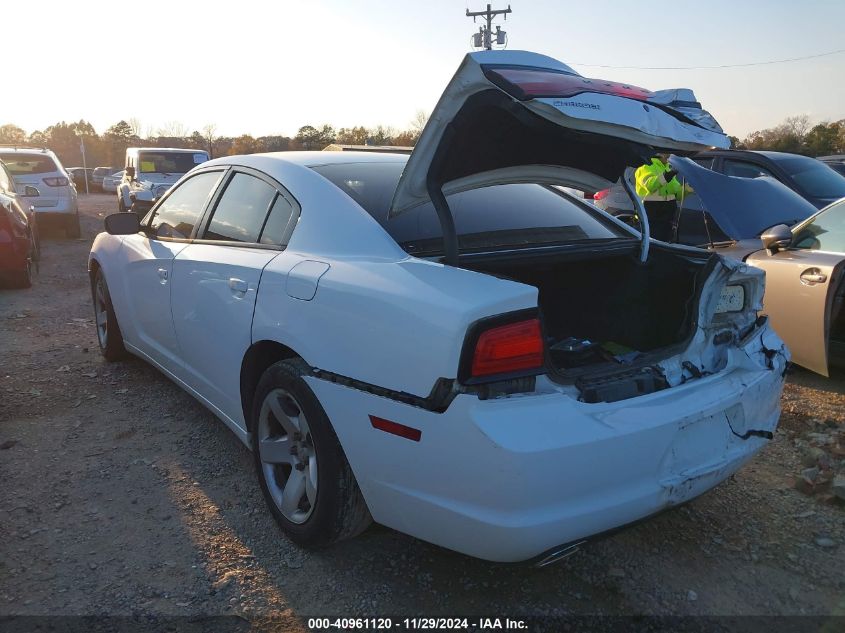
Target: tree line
(796, 134)
(108, 148)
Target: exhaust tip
(559, 554)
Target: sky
(270, 67)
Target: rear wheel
(304, 474)
(22, 278)
(108, 331)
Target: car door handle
(162, 275)
(238, 285)
(813, 276)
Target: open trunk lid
(742, 207)
(517, 109)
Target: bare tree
(798, 125)
(418, 123)
(209, 133)
(135, 124)
(173, 129)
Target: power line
(765, 63)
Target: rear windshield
(23, 164)
(814, 177)
(509, 215)
(104, 171)
(169, 162)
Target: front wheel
(108, 331)
(304, 474)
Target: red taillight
(508, 348)
(527, 83)
(61, 181)
(601, 195)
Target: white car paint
(554, 469)
(506, 478)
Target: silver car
(41, 168)
(111, 181)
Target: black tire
(110, 341)
(72, 229)
(35, 249)
(339, 510)
(22, 278)
(121, 206)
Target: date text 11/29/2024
(431, 624)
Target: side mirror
(31, 192)
(776, 238)
(122, 224)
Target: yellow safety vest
(651, 182)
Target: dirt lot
(122, 495)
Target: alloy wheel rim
(288, 457)
(101, 314)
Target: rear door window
(745, 169)
(276, 229)
(178, 213)
(241, 211)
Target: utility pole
(484, 35)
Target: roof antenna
(484, 37)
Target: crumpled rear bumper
(509, 479)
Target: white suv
(150, 172)
(40, 168)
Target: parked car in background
(805, 287)
(764, 223)
(378, 327)
(111, 181)
(79, 174)
(810, 178)
(41, 168)
(150, 172)
(19, 241)
(101, 172)
(835, 162)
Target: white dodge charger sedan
(448, 343)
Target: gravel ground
(121, 495)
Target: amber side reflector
(395, 428)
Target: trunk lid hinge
(645, 233)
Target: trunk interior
(608, 314)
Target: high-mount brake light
(506, 349)
(601, 195)
(528, 83)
